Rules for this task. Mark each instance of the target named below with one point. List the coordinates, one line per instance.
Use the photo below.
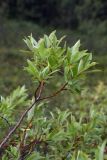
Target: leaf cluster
(50, 57)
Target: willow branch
(24, 134)
(55, 93)
(39, 90)
(37, 99)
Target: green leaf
(53, 39)
(80, 66)
(32, 69)
(45, 72)
(61, 39)
(75, 48)
(100, 153)
(31, 114)
(47, 41)
(35, 156)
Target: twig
(55, 94)
(16, 126)
(37, 96)
(37, 99)
(27, 150)
(39, 91)
(24, 134)
(22, 117)
(5, 120)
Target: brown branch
(24, 134)
(37, 99)
(37, 96)
(5, 119)
(16, 126)
(55, 93)
(39, 90)
(29, 148)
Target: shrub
(56, 134)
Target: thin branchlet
(6, 120)
(37, 99)
(21, 118)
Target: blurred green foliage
(73, 133)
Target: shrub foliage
(75, 133)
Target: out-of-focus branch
(37, 99)
(39, 90)
(5, 119)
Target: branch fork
(38, 98)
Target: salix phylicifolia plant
(49, 58)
